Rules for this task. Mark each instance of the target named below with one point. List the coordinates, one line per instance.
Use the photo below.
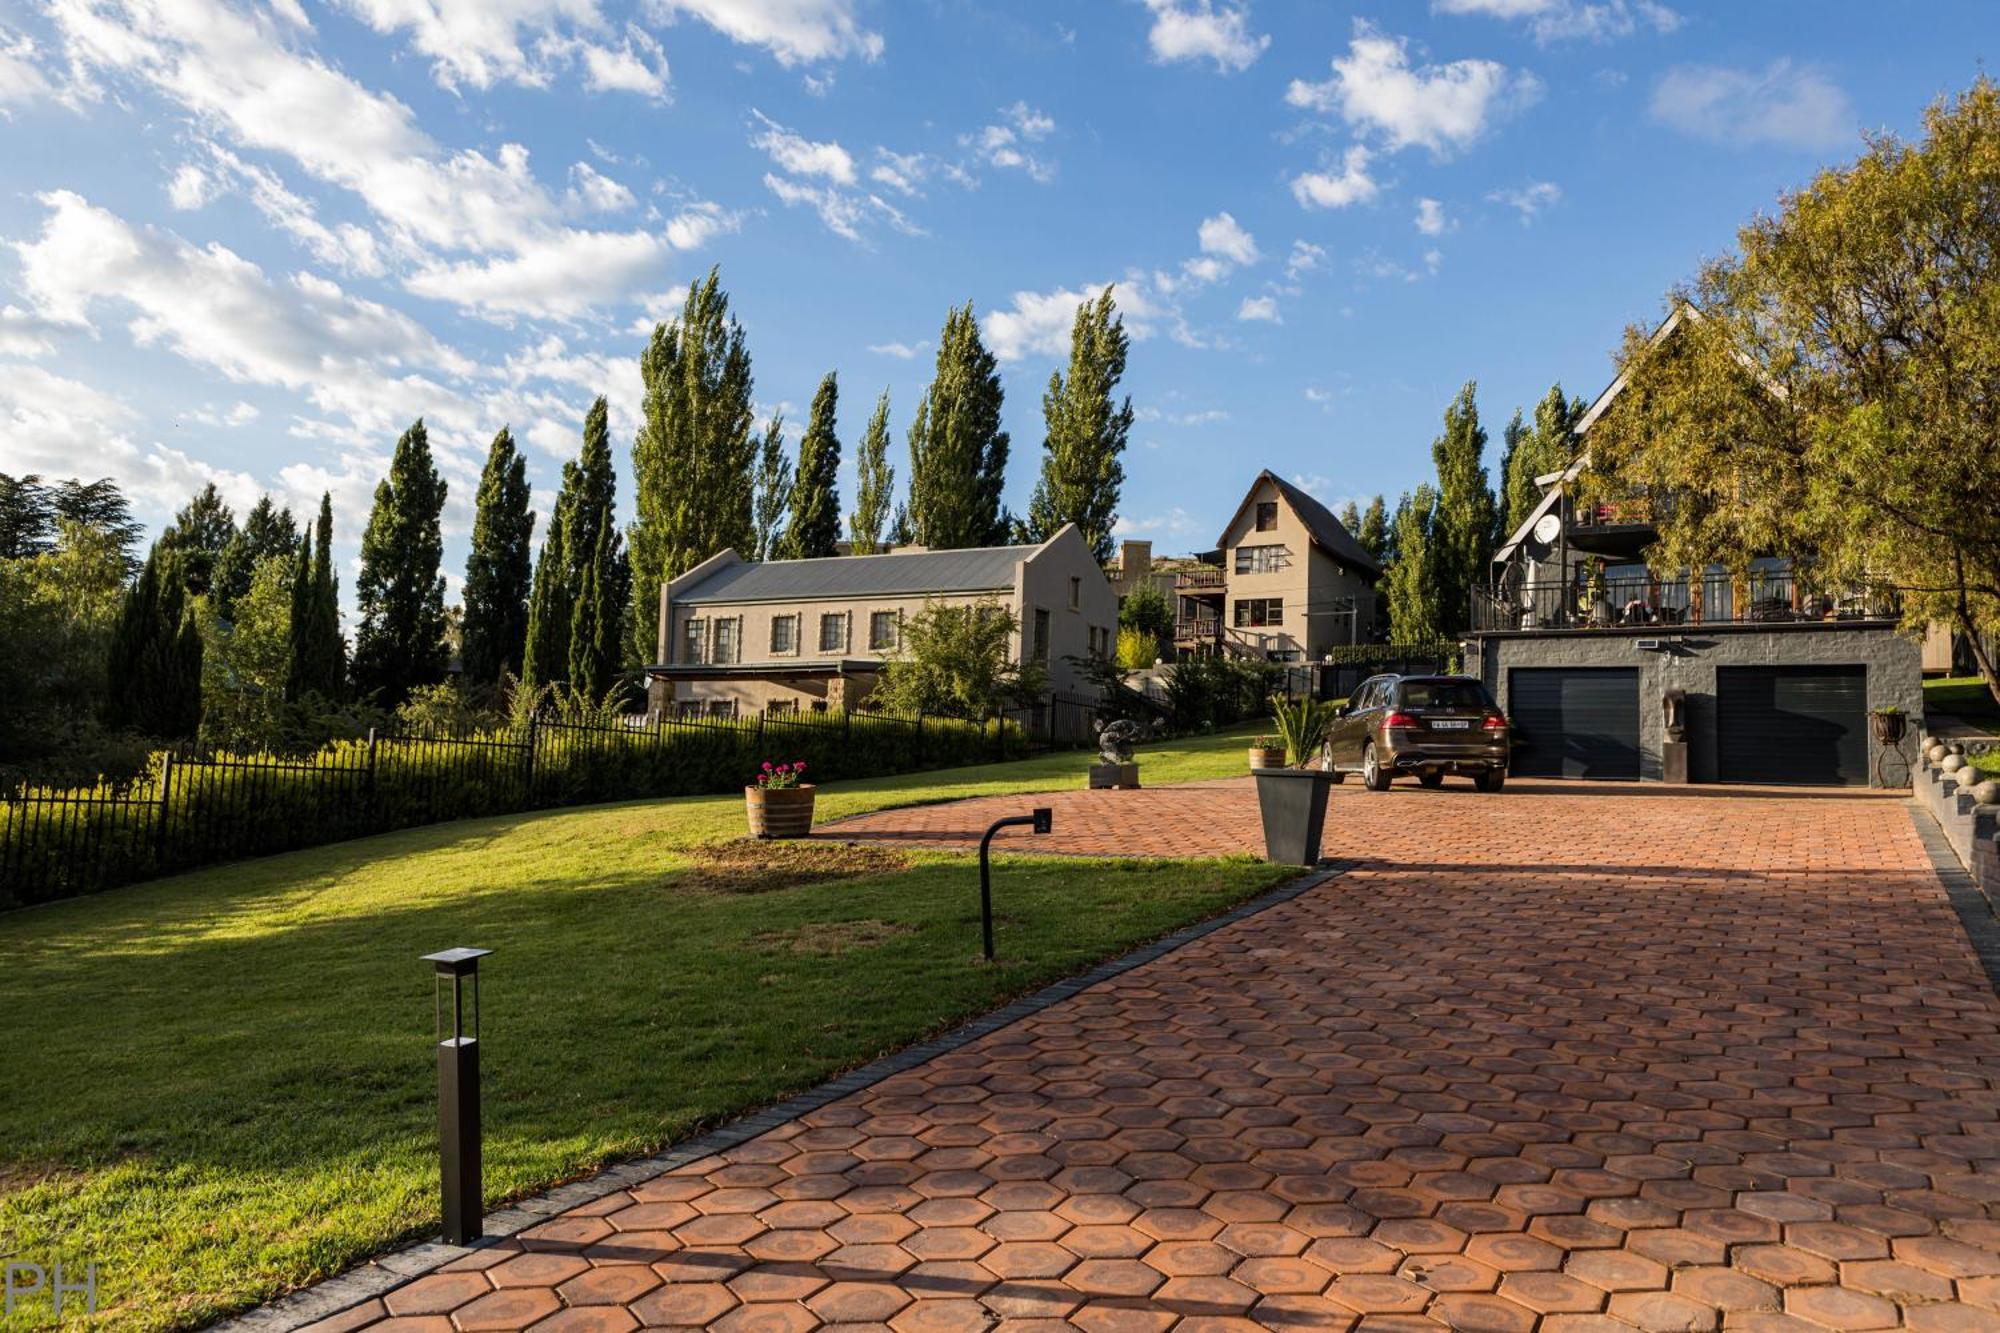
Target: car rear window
(1467, 694)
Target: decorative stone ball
(1952, 763)
(1956, 747)
(1987, 792)
(1937, 752)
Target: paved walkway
(1542, 1060)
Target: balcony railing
(1642, 602)
(1198, 630)
(1206, 578)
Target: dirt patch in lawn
(750, 865)
(824, 939)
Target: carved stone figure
(1674, 704)
(1116, 739)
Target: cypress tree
(267, 531)
(583, 582)
(1373, 534)
(154, 667)
(201, 531)
(545, 658)
(400, 642)
(958, 453)
(875, 482)
(773, 488)
(1082, 468)
(500, 570)
(1415, 605)
(694, 457)
(319, 657)
(594, 638)
(1462, 532)
(814, 527)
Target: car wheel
(1430, 779)
(1373, 775)
(1492, 779)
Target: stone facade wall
(1687, 660)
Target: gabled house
(1286, 583)
(1581, 641)
(741, 636)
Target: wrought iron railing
(1645, 602)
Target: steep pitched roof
(904, 574)
(1327, 532)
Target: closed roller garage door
(1792, 724)
(1575, 722)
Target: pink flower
(800, 766)
(767, 766)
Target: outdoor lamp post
(458, 1094)
(1043, 820)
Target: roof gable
(1326, 531)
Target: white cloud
(902, 172)
(561, 280)
(635, 65)
(597, 192)
(21, 77)
(1003, 146)
(901, 351)
(1566, 20)
(1226, 238)
(1792, 106)
(190, 188)
(1032, 122)
(800, 156)
(1430, 217)
(1440, 107)
(1352, 185)
(794, 31)
(1305, 258)
(25, 334)
(1217, 30)
(695, 225)
(1206, 416)
(350, 248)
(1038, 323)
(1261, 308)
(1529, 199)
(1176, 522)
(844, 212)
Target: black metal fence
(194, 810)
(1643, 601)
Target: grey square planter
(1293, 804)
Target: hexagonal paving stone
(504, 1311)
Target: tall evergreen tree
(500, 570)
(200, 532)
(102, 507)
(1373, 534)
(875, 482)
(154, 670)
(814, 526)
(1463, 532)
(27, 517)
(319, 656)
(400, 642)
(958, 453)
(772, 490)
(1416, 607)
(583, 582)
(594, 640)
(267, 531)
(1350, 518)
(695, 456)
(901, 532)
(1083, 471)
(1546, 448)
(545, 658)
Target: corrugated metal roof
(910, 574)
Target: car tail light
(1399, 720)
(1495, 722)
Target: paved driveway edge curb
(1975, 912)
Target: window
(1259, 612)
(784, 634)
(1267, 516)
(1461, 694)
(725, 641)
(1075, 593)
(722, 708)
(781, 707)
(1041, 645)
(693, 639)
(1262, 559)
(883, 629)
(833, 632)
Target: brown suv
(1427, 726)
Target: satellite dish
(1547, 528)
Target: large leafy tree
(1416, 603)
(814, 526)
(1462, 530)
(1832, 399)
(267, 532)
(771, 492)
(32, 513)
(246, 660)
(695, 456)
(153, 671)
(318, 663)
(1083, 471)
(875, 483)
(957, 660)
(58, 609)
(201, 531)
(958, 453)
(400, 642)
(500, 570)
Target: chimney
(1135, 558)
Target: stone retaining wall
(1972, 830)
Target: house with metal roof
(739, 636)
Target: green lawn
(1963, 697)
(219, 1086)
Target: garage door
(1575, 722)
(1792, 724)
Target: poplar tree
(1546, 448)
(545, 657)
(814, 527)
(318, 655)
(1350, 517)
(500, 570)
(958, 453)
(1462, 532)
(772, 488)
(875, 482)
(1083, 471)
(583, 582)
(1373, 534)
(154, 666)
(695, 456)
(400, 643)
(1416, 610)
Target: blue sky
(250, 241)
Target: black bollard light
(458, 1096)
(1043, 819)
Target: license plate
(1450, 726)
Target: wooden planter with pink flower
(780, 801)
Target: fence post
(166, 793)
(528, 777)
(373, 813)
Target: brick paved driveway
(1553, 1060)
